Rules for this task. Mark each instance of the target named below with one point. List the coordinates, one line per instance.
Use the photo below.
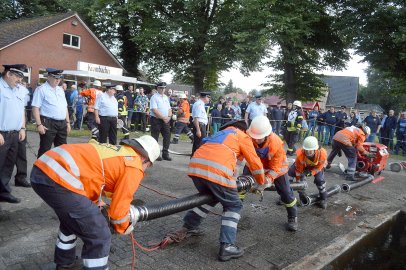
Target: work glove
(259, 189)
(307, 173)
(370, 155)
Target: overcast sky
(254, 81)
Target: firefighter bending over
(212, 168)
(350, 140)
(269, 148)
(71, 179)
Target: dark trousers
(282, 186)
(387, 138)
(139, 119)
(318, 181)
(159, 126)
(108, 127)
(232, 205)
(91, 124)
(20, 162)
(56, 134)
(78, 217)
(276, 125)
(8, 155)
(349, 151)
(291, 139)
(181, 126)
(197, 141)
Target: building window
(71, 40)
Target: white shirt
(11, 106)
(106, 105)
(254, 110)
(160, 102)
(199, 111)
(50, 101)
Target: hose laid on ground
(350, 186)
(307, 200)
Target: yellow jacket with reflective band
(79, 168)
(273, 157)
(304, 163)
(351, 136)
(216, 159)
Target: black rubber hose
(350, 186)
(307, 200)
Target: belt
(9, 131)
(108, 116)
(52, 118)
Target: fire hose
(350, 186)
(157, 210)
(307, 200)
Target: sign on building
(84, 66)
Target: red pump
(373, 165)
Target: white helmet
(310, 143)
(119, 87)
(297, 103)
(151, 146)
(260, 127)
(182, 95)
(97, 83)
(366, 130)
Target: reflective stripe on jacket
(216, 159)
(80, 169)
(273, 157)
(351, 136)
(303, 163)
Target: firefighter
(311, 161)
(71, 179)
(294, 124)
(212, 168)
(269, 148)
(349, 140)
(122, 109)
(91, 94)
(182, 122)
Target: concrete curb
(326, 255)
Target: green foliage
(382, 90)
(197, 39)
(307, 38)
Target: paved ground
(28, 230)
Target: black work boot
(229, 251)
(328, 166)
(350, 177)
(166, 157)
(292, 224)
(174, 141)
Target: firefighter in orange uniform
(212, 169)
(91, 94)
(183, 119)
(349, 140)
(311, 160)
(71, 179)
(269, 148)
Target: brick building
(60, 41)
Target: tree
(379, 91)
(229, 87)
(199, 39)
(307, 37)
(379, 34)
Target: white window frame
(71, 46)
